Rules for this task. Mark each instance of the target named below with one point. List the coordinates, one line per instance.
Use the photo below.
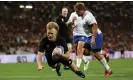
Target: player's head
(52, 30)
(80, 8)
(64, 12)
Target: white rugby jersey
(78, 29)
(88, 20)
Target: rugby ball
(58, 49)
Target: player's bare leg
(103, 61)
(80, 51)
(105, 53)
(85, 59)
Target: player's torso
(78, 29)
(87, 24)
(50, 45)
(63, 29)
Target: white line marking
(92, 75)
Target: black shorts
(51, 62)
(87, 46)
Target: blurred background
(22, 24)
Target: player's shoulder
(74, 14)
(61, 40)
(44, 39)
(88, 15)
(88, 12)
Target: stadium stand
(21, 29)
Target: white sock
(105, 64)
(78, 62)
(85, 59)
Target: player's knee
(86, 52)
(68, 62)
(79, 49)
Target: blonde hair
(80, 6)
(51, 25)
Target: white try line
(63, 76)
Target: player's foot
(86, 65)
(80, 74)
(40, 67)
(58, 69)
(106, 55)
(108, 73)
(66, 68)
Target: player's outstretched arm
(39, 60)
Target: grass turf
(122, 70)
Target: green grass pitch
(122, 70)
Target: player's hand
(40, 67)
(93, 42)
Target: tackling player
(95, 37)
(79, 39)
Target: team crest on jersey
(62, 20)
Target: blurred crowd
(22, 29)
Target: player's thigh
(80, 44)
(66, 62)
(50, 62)
(87, 48)
(75, 39)
(81, 41)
